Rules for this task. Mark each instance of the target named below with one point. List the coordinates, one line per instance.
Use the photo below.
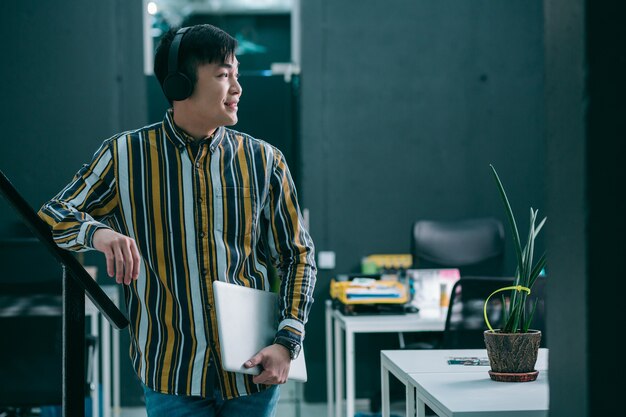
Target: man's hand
(121, 254)
(275, 362)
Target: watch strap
(292, 346)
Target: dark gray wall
(567, 206)
(586, 128)
(605, 42)
(404, 106)
(72, 76)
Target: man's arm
(293, 254)
(292, 251)
(72, 215)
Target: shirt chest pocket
(235, 211)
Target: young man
(183, 202)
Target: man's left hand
(275, 362)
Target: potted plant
(512, 349)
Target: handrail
(42, 231)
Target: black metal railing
(76, 284)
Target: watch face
(295, 351)
(293, 347)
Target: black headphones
(176, 86)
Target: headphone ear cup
(177, 86)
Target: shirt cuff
(87, 231)
(291, 329)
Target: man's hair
(201, 44)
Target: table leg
(410, 400)
(117, 411)
(338, 369)
(384, 383)
(420, 406)
(96, 382)
(106, 369)
(329, 358)
(350, 394)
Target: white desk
(110, 359)
(350, 325)
(475, 394)
(458, 390)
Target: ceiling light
(152, 8)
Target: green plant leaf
(530, 319)
(537, 270)
(505, 311)
(511, 325)
(510, 216)
(540, 226)
(516, 317)
(529, 249)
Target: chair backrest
(465, 321)
(474, 246)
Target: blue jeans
(262, 404)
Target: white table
(475, 394)
(459, 390)
(338, 324)
(110, 358)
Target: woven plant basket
(513, 353)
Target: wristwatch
(292, 346)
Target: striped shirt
(223, 211)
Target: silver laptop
(241, 337)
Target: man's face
(216, 94)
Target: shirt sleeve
(80, 208)
(292, 251)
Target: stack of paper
(370, 288)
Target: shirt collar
(180, 138)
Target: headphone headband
(172, 61)
(176, 86)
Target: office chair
(474, 246)
(465, 322)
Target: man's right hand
(121, 254)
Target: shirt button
(201, 234)
(204, 271)
(199, 200)
(209, 306)
(197, 164)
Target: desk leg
(106, 369)
(349, 373)
(117, 410)
(384, 384)
(96, 382)
(329, 358)
(421, 407)
(338, 369)
(410, 400)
